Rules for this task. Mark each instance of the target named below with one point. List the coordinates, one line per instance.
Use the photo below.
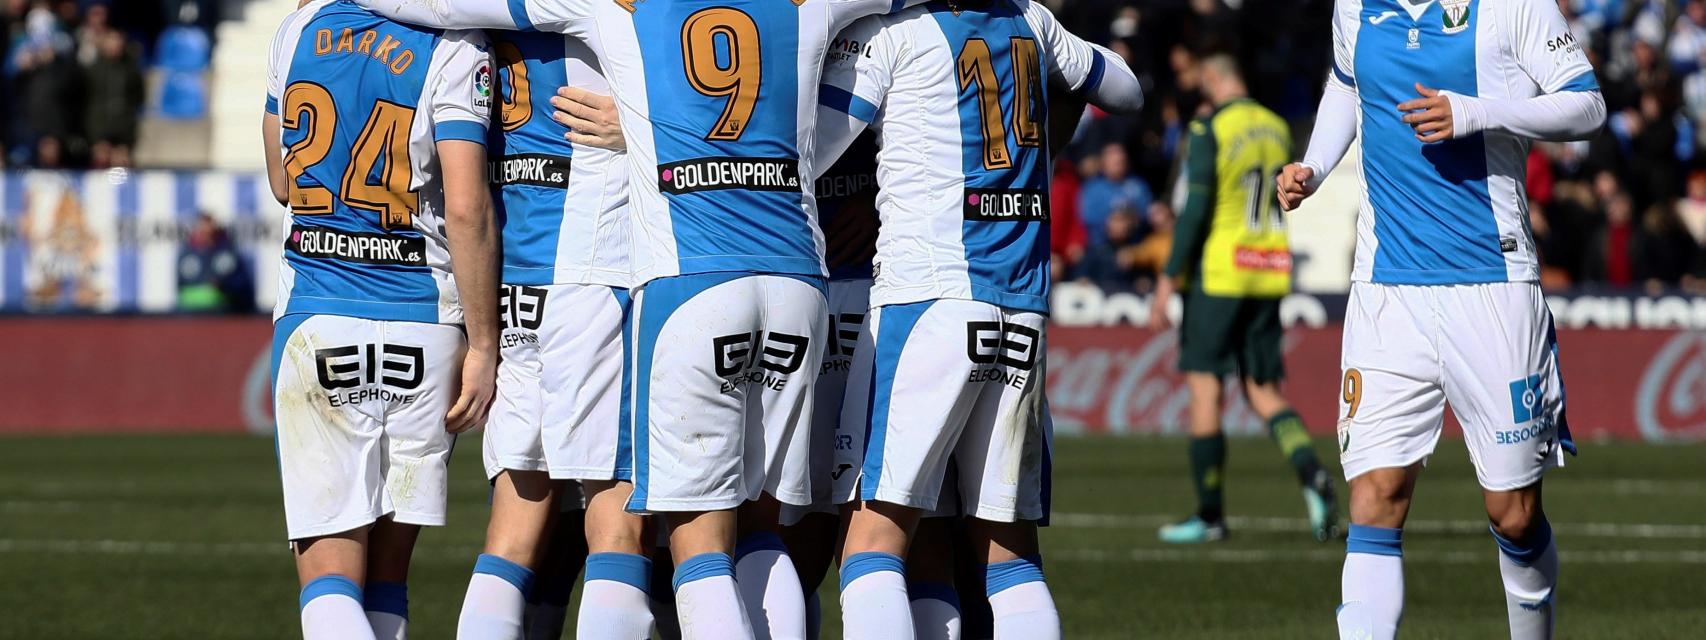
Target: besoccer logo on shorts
(1525, 398)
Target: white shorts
(1488, 350)
(950, 379)
(360, 408)
(559, 402)
(723, 370)
(849, 303)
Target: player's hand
(479, 385)
(1158, 320)
(1429, 115)
(1294, 185)
(590, 117)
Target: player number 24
(383, 144)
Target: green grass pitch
(180, 537)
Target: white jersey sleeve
(283, 50)
(1345, 23)
(845, 12)
(856, 79)
(514, 15)
(460, 88)
(1542, 45)
(1099, 75)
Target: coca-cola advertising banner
(1636, 384)
(104, 374)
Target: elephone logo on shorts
(1006, 205)
(718, 174)
(521, 308)
(843, 339)
(758, 358)
(1526, 396)
(365, 248)
(359, 373)
(1007, 351)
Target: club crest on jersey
(1455, 15)
(1415, 39)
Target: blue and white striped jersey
(563, 207)
(964, 201)
(718, 104)
(1451, 212)
(363, 101)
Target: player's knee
(1515, 522)
(1380, 498)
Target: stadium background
(138, 250)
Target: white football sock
(614, 605)
(1020, 600)
(331, 610)
(387, 605)
(874, 605)
(707, 602)
(935, 610)
(1530, 572)
(1372, 586)
(770, 588)
(497, 596)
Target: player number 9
(1352, 389)
(739, 79)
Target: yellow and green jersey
(1230, 239)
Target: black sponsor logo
(844, 186)
(758, 358)
(370, 371)
(1566, 42)
(718, 174)
(349, 246)
(521, 307)
(533, 169)
(844, 333)
(841, 469)
(1008, 345)
(1006, 205)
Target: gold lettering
(322, 42)
(402, 62)
(346, 44)
(386, 46)
(366, 46)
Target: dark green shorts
(1228, 336)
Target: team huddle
(739, 290)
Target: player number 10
(977, 68)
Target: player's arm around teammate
(1495, 76)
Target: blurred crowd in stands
(1624, 210)
(76, 76)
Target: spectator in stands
(91, 32)
(1110, 262)
(1663, 250)
(1066, 229)
(1101, 193)
(1149, 257)
(1691, 209)
(115, 96)
(212, 276)
(1688, 39)
(1611, 261)
(46, 79)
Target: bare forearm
(446, 14)
(474, 260)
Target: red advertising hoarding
(1633, 384)
(188, 374)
